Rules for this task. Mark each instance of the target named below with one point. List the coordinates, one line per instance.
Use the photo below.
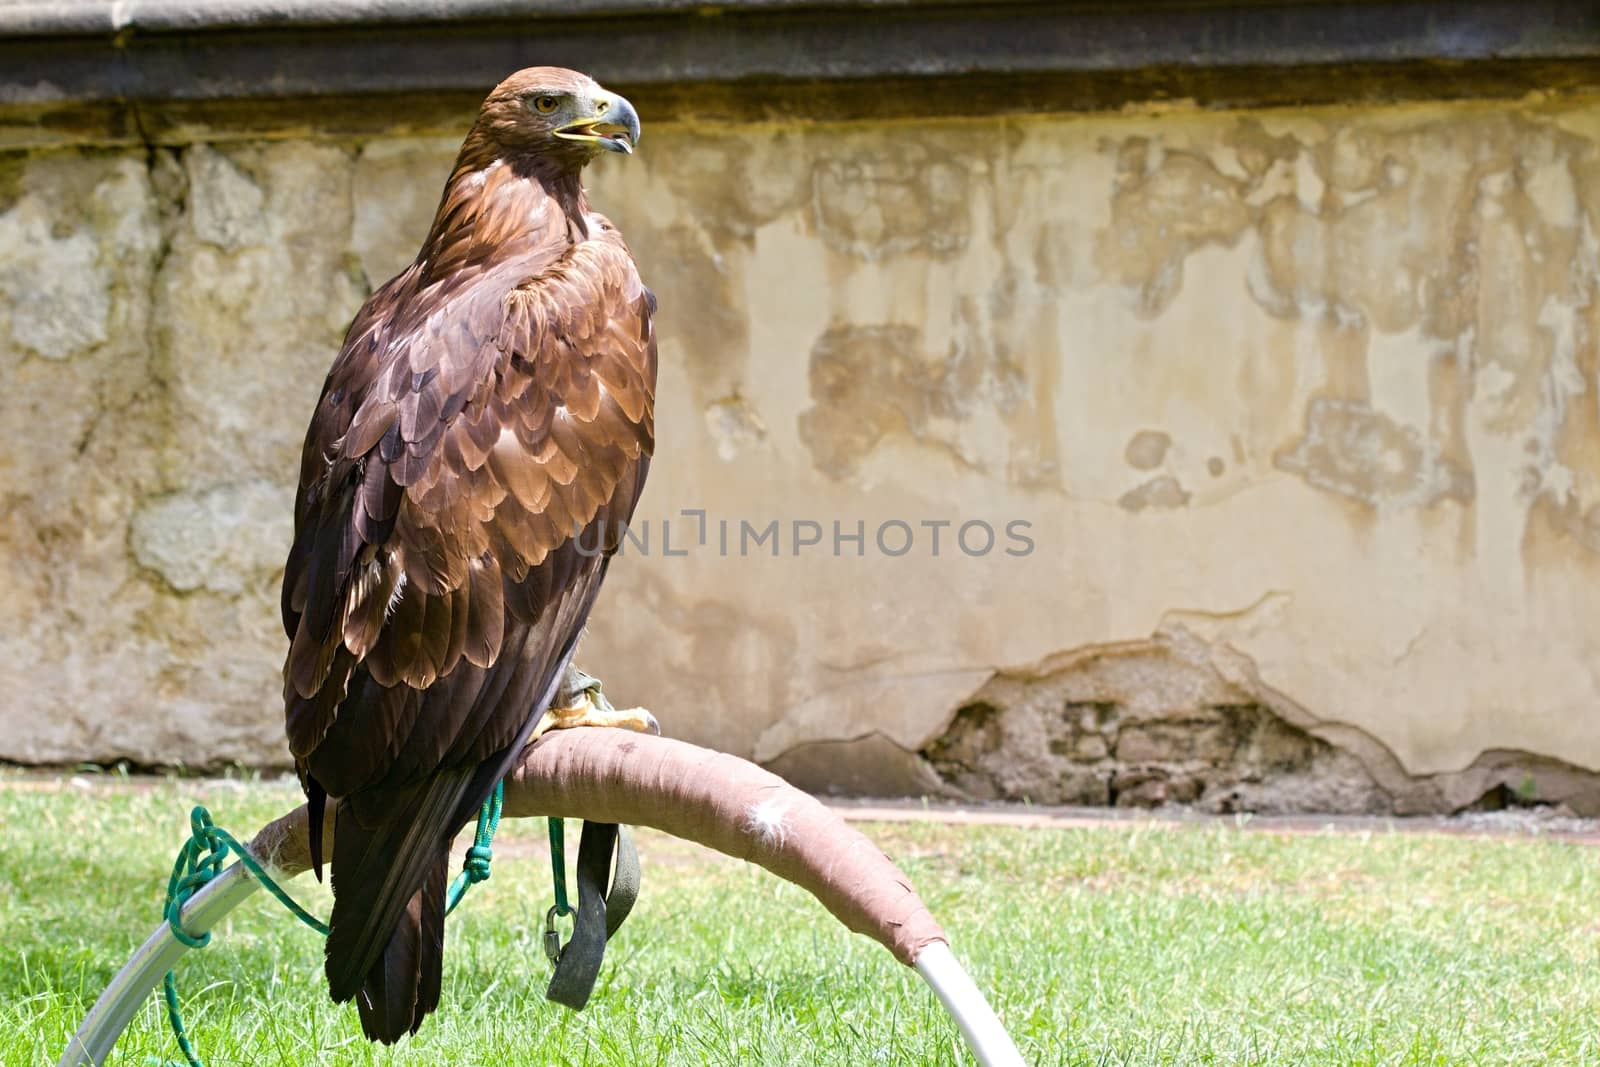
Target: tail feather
(316, 810)
(431, 948)
(386, 933)
(403, 985)
(387, 1002)
(391, 863)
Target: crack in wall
(1174, 720)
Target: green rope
(475, 868)
(203, 854)
(558, 864)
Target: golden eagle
(479, 444)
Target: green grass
(1123, 945)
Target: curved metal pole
(139, 977)
(718, 800)
(986, 1036)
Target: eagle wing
(479, 444)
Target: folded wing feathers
(486, 439)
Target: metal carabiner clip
(552, 936)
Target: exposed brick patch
(1172, 721)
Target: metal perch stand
(718, 800)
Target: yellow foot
(579, 702)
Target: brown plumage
(489, 401)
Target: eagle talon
(580, 702)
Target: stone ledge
(27, 17)
(168, 72)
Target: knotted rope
(202, 856)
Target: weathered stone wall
(1301, 411)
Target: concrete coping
(170, 71)
(32, 18)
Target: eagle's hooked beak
(611, 123)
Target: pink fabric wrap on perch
(718, 800)
(733, 806)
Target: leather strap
(624, 882)
(600, 910)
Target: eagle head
(558, 114)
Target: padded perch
(718, 800)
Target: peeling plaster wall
(1317, 390)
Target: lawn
(1128, 944)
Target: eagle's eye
(544, 104)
